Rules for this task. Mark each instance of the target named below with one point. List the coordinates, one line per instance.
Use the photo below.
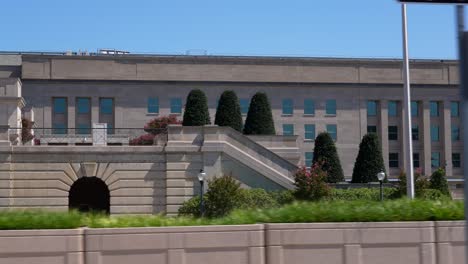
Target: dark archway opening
(89, 194)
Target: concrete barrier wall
(337, 243)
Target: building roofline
(208, 57)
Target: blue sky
(337, 28)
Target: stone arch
(89, 194)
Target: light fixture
(381, 177)
(201, 179)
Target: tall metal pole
(407, 140)
(461, 34)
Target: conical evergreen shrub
(259, 119)
(439, 181)
(196, 109)
(325, 154)
(228, 112)
(369, 160)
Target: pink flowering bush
(155, 127)
(311, 184)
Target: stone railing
(324, 243)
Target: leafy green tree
(196, 109)
(259, 118)
(228, 112)
(369, 160)
(421, 184)
(439, 181)
(326, 155)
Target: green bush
(325, 154)
(196, 109)
(259, 119)
(433, 194)
(222, 197)
(310, 184)
(369, 160)
(420, 183)
(350, 211)
(283, 197)
(245, 199)
(369, 194)
(34, 219)
(439, 182)
(228, 112)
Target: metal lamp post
(201, 179)
(381, 177)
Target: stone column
(426, 114)
(11, 103)
(447, 137)
(383, 131)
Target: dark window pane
(106, 106)
(83, 105)
(434, 133)
(330, 107)
(153, 105)
(371, 108)
(435, 159)
(331, 129)
(244, 105)
(392, 133)
(454, 109)
(455, 132)
(309, 133)
(415, 133)
(392, 108)
(371, 129)
(309, 156)
(416, 160)
(456, 161)
(60, 105)
(434, 107)
(414, 108)
(288, 107)
(288, 129)
(176, 105)
(309, 107)
(393, 161)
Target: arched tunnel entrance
(89, 194)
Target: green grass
(298, 212)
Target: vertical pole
(202, 207)
(381, 191)
(464, 95)
(408, 143)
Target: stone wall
(325, 243)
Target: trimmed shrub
(325, 154)
(283, 197)
(222, 197)
(155, 127)
(191, 207)
(259, 119)
(369, 160)
(368, 194)
(420, 183)
(196, 109)
(433, 194)
(439, 182)
(311, 184)
(256, 199)
(26, 126)
(228, 112)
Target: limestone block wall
(41, 246)
(41, 177)
(325, 243)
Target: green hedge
(298, 212)
(369, 194)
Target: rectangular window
(330, 107)
(59, 115)
(309, 132)
(454, 109)
(414, 108)
(288, 129)
(392, 108)
(372, 129)
(416, 160)
(456, 161)
(371, 108)
(331, 129)
(309, 107)
(153, 105)
(455, 132)
(176, 105)
(288, 107)
(393, 161)
(435, 159)
(308, 157)
(434, 108)
(434, 133)
(83, 115)
(244, 105)
(106, 113)
(392, 133)
(415, 133)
